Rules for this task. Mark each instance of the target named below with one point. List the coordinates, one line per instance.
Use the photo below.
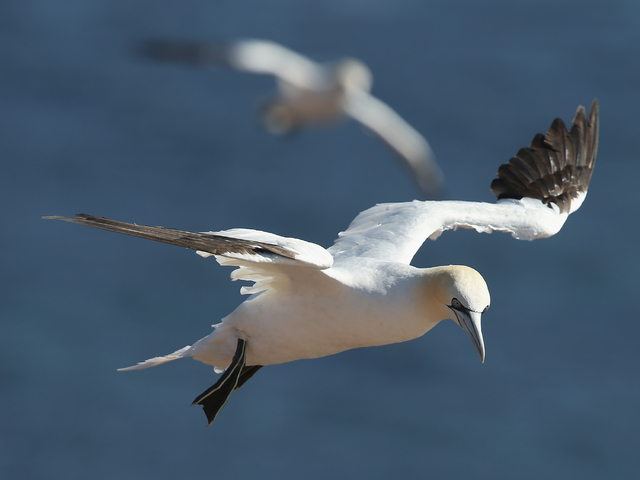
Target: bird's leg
(215, 397)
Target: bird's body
(312, 94)
(314, 313)
(364, 294)
(308, 302)
(302, 109)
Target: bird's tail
(152, 362)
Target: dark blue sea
(88, 127)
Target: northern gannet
(312, 94)
(308, 302)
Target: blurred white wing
(256, 56)
(411, 147)
(259, 56)
(537, 190)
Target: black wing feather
(556, 167)
(185, 51)
(205, 242)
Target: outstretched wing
(411, 147)
(537, 190)
(256, 56)
(240, 244)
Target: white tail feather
(152, 362)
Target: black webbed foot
(246, 374)
(216, 397)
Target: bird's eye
(455, 303)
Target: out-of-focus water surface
(85, 126)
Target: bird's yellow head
(460, 293)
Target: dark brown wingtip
(205, 242)
(556, 167)
(189, 52)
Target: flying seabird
(308, 302)
(312, 94)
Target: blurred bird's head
(352, 74)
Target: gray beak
(470, 323)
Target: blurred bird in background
(312, 94)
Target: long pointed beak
(470, 323)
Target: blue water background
(85, 126)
